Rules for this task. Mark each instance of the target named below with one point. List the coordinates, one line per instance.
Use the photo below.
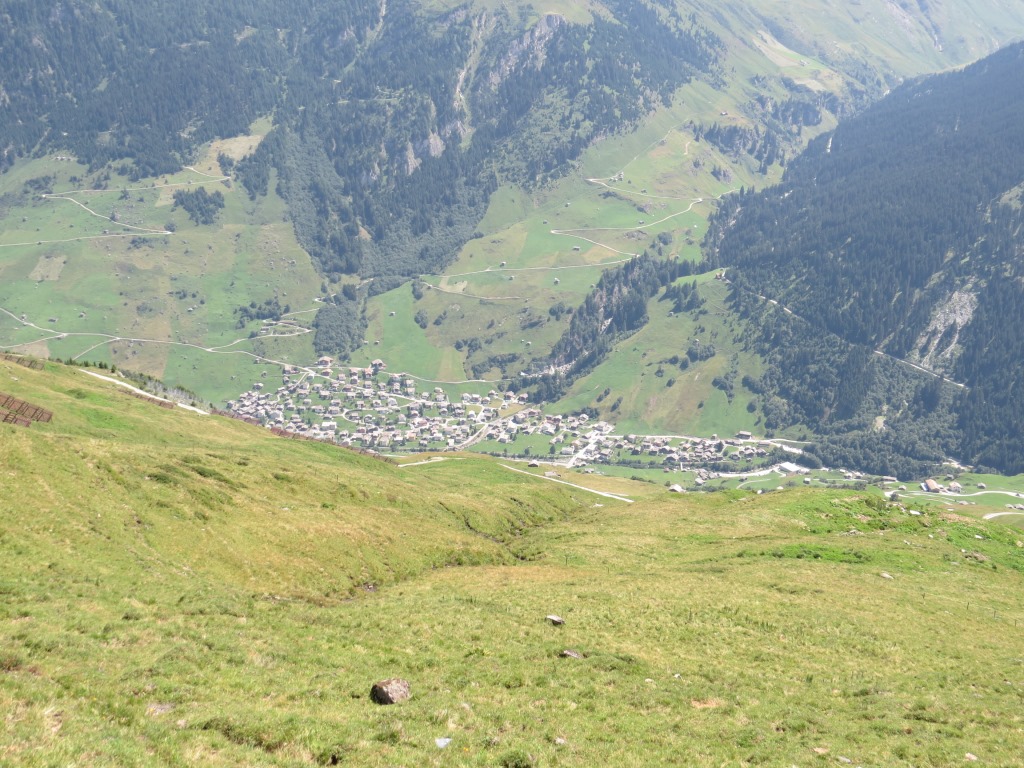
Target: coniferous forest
(391, 128)
(899, 233)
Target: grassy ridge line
(171, 595)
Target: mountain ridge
(891, 233)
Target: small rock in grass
(844, 760)
(970, 757)
(569, 653)
(442, 742)
(556, 620)
(390, 691)
(886, 575)
(560, 741)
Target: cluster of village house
(371, 409)
(931, 486)
(600, 445)
(364, 407)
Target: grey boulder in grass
(390, 691)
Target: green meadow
(661, 397)
(135, 283)
(185, 590)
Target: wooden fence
(153, 400)
(29, 362)
(6, 417)
(11, 404)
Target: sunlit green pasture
(193, 591)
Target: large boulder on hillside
(390, 691)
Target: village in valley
(385, 412)
(391, 413)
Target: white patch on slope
(956, 311)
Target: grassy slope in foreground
(175, 599)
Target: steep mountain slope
(901, 232)
(384, 115)
(188, 590)
(144, 81)
(464, 144)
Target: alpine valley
(360, 362)
(606, 206)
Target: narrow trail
(112, 339)
(579, 233)
(656, 142)
(572, 232)
(948, 495)
(80, 239)
(453, 292)
(571, 485)
(464, 381)
(634, 193)
(604, 494)
(137, 231)
(52, 334)
(143, 230)
(490, 270)
(880, 353)
(434, 460)
(922, 369)
(138, 391)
